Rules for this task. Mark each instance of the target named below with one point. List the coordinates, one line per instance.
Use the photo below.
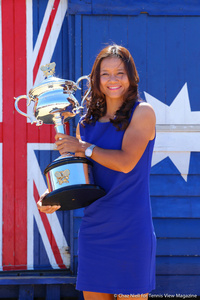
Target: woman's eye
(104, 74)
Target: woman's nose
(112, 77)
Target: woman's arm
(78, 136)
(136, 137)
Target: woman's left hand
(46, 209)
(66, 143)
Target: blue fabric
(117, 242)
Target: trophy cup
(69, 178)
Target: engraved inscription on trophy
(62, 176)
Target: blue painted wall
(129, 7)
(163, 38)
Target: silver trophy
(69, 178)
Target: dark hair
(96, 102)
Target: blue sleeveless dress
(117, 243)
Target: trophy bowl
(69, 178)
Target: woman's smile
(114, 87)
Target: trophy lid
(51, 83)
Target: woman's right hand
(46, 209)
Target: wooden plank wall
(158, 7)
(166, 50)
(163, 48)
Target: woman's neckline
(106, 122)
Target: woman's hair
(96, 101)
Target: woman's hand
(46, 209)
(66, 143)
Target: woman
(116, 239)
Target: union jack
(28, 239)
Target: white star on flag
(177, 130)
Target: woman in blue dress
(117, 244)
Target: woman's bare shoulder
(144, 110)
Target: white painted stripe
(55, 31)
(29, 52)
(34, 174)
(177, 141)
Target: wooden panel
(155, 48)
(128, 7)
(52, 292)
(8, 133)
(192, 47)
(77, 223)
(39, 291)
(178, 265)
(177, 228)
(175, 207)
(78, 212)
(174, 56)
(176, 285)
(20, 150)
(107, 33)
(8, 292)
(181, 188)
(137, 27)
(26, 292)
(184, 246)
(75, 246)
(37, 280)
(159, 47)
(78, 64)
(14, 131)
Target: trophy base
(74, 197)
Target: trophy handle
(78, 87)
(38, 122)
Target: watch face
(88, 152)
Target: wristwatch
(89, 150)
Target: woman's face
(114, 80)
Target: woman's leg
(133, 297)
(97, 296)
